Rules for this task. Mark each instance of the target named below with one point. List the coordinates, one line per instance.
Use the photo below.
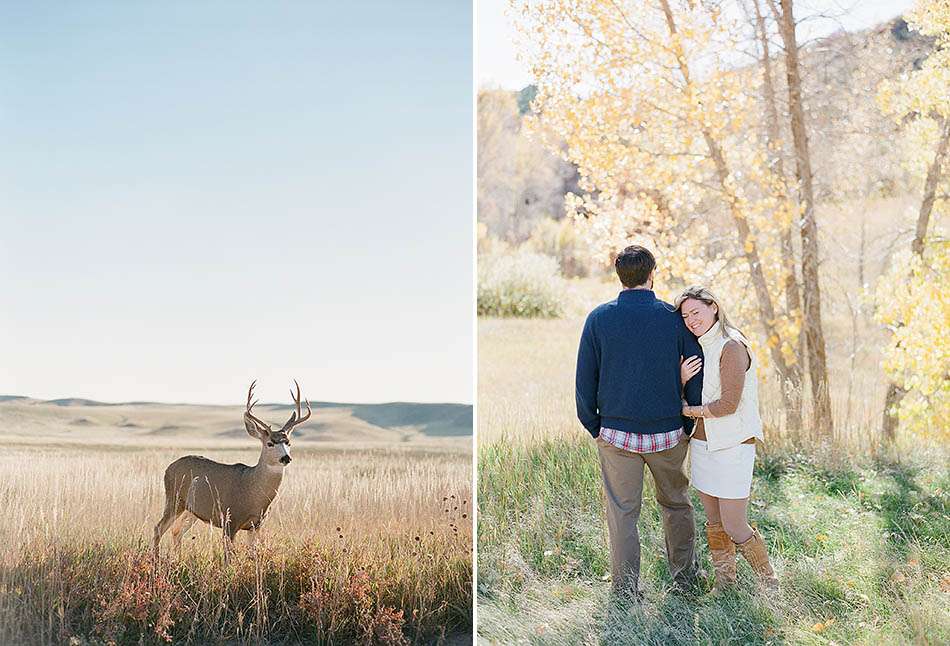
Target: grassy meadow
(368, 541)
(859, 535)
(862, 553)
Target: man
(629, 397)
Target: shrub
(520, 284)
(396, 590)
(917, 356)
(558, 238)
(489, 244)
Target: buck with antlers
(230, 496)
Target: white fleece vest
(729, 430)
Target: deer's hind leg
(173, 509)
(169, 517)
(181, 525)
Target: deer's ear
(252, 429)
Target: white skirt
(726, 473)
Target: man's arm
(587, 379)
(693, 389)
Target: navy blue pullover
(628, 366)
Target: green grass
(862, 551)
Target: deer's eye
(270, 444)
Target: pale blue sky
(198, 194)
(496, 53)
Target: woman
(722, 447)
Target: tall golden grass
(526, 378)
(368, 545)
(526, 367)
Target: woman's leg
(747, 540)
(722, 551)
(735, 521)
(711, 507)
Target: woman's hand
(689, 367)
(692, 411)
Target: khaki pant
(623, 485)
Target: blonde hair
(704, 295)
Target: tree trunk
(751, 252)
(894, 392)
(892, 399)
(930, 189)
(766, 309)
(792, 380)
(814, 335)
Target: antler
(248, 414)
(295, 418)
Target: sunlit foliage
(912, 298)
(645, 98)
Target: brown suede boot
(755, 553)
(723, 553)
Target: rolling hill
(82, 421)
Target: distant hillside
(853, 143)
(76, 420)
(431, 419)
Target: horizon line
(94, 402)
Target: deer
(233, 497)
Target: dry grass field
(526, 367)
(368, 541)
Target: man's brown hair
(634, 265)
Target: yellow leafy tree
(918, 356)
(645, 99)
(918, 311)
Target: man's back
(628, 375)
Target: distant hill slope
(76, 420)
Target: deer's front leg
(229, 533)
(254, 536)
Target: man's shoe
(692, 584)
(626, 596)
